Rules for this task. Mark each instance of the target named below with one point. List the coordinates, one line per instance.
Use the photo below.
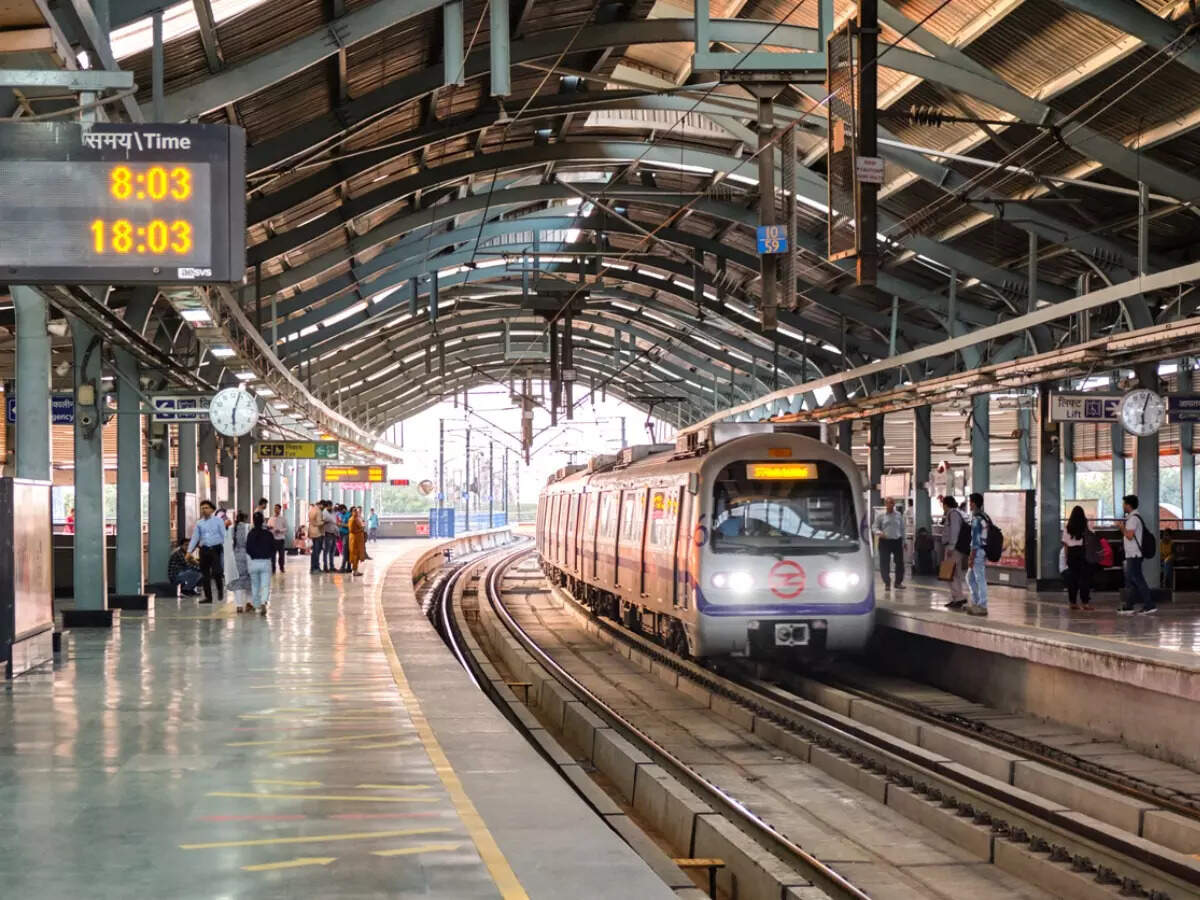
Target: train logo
(786, 579)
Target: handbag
(946, 570)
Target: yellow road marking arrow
(291, 864)
(288, 783)
(348, 797)
(317, 838)
(396, 787)
(420, 848)
(312, 752)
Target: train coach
(738, 540)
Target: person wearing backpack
(956, 544)
(977, 562)
(1139, 544)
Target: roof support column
(244, 498)
(158, 468)
(500, 31)
(452, 43)
(1187, 456)
(275, 484)
(845, 436)
(981, 457)
(1049, 488)
(922, 465)
(1024, 443)
(33, 383)
(769, 266)
(1066, 431)
(89, 557)
(229, 472)
(130, 572)
(875, 460)
(186, 501)
(1146, 464)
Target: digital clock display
(122, 204)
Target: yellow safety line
(291, 864)
(419, 848)
(489, 851)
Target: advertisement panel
(1013, 512)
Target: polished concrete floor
(1171, 635)
(192, 752)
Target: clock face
(233, 412)
(1143, 412)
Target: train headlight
(739, 582)
(838, 580)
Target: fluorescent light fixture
(244, 376)
(195, 315)
(282, 405)
(264, 392)
(222, 352)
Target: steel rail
(820, 873)
(914, 767)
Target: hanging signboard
(1183, 407)
(297, 449)
(180, 407)
(354, 474)
(1085, 407)
(62, 409)
(772, 239)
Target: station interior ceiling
(367, 174)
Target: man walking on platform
(316, 536)
(278, 527)
(209, 536)
(1133, 535)
(889, 529)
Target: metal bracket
(734, 65)
(74, 80)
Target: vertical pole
(568, 361)
(981, 457)
(185, 475)
(1187, 455)
(300, 495)
(33, 383)
(555, 375)
(1066, 431)
(875, 459)
(505, 486)
(922, 466)
(868, 80)
(89, 556)
(1143, 229)
(275, 480)
(158, 477)
(787, 149)
(491, 486)
(441, 474)
(1024, 443)
(1146, 474)
(895, 325)
(1118, 467)
(129, 476)
(846, 436)
(207, 450)
(467, 483)
(229, 470)
(500, 27)
(315, 484)
(766, 206)
(1049, 489)
(156, 64)
(452, 43)
(247, 492)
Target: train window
(664, 508)
(608, 515)
(810, 515)
(633, 510)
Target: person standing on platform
(209, 536)
(278, 527)
(889, 529)
(1132, 534)
(260, 553)
(316, 535)
(1078, 576)
(241, 575)
(261, 507)
(344, 535)
(357, 538)
(329, 523)
(373, 526)
(977, 562)
(956, 544)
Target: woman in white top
(953, 525)
(1078, 575)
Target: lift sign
(772, 239)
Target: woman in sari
(357, 538)
(241, 582)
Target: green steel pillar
(875, 460)
(32, 384)
(247, 491)
(922, 466)
(185, 475)
(1117, 431)
(229, 471)
(981, 457)
(130, 575)
(1024, 443)
(1067, 431)
(1187, 455)
(89, 557)
(1146, 465)
(1049, 490)
(158, 469)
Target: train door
(631, 541)
(683, 550)
(572, 523)
(540, 527)
(660, 544)
(587, 544)
(606, 545)
(555, 528)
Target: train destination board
(354, 474)
(109, 203)
(297, 449)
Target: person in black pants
(1078, 576)
(208, 536)
(889, 528)
(278, 528)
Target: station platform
(331, 749)
(1133, 678)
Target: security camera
(58, 327)
(145, 381)
(62, 368)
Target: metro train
(739, 540)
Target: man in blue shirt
(209, 536)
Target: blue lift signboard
(772, 239)
(1183, 407)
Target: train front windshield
(777, 508)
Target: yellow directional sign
(297, 449)
(354, 474)
(291, 863)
